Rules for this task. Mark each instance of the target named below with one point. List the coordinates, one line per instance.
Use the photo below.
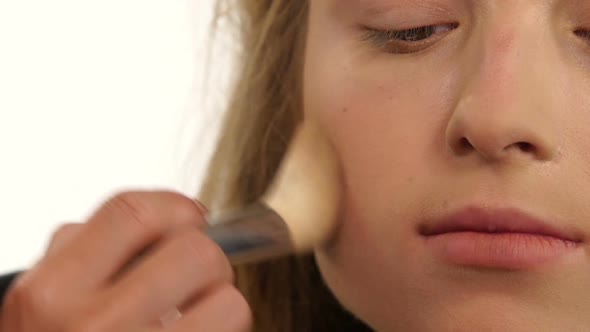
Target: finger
(223, 310)
(201, 206)
(119, 230)
(64, 234)
(183, 266)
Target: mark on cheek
(344, 109)
(382, 89)
(503, 42)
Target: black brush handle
(5, 283)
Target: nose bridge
(511, 43)
(506, 71)
(506, 101)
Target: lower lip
(499, 250)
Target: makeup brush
(297, 213)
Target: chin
(479, 316)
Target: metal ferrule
(252, 234)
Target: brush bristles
(306, 190)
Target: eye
(408, 40)
(583, 33)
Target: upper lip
(509, 220)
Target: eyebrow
(372, 8)
(369, 6)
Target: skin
(490, 113)
(94, 275)
(493, 113)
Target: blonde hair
(287, 294)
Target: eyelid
(407, 12)
(583, 33)
(436, 28)
(390, 38)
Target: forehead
(380, 6)
(375, 8)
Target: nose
(507, 108)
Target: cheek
(388, 132)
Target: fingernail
(202, 209)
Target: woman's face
(465, 145)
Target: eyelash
(416, 39)
(408, 40)
(583, 33)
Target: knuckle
(33, 299)
(60, 238)
(88, 324)
(207, 255)
(185, 209)
(137, 211)
(64, 232)
(238, 306)
(100, 316)
(183, 205)
(97, 322)
(147, 209)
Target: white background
(97, 97)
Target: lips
(498, 238)
(475, 219)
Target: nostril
(525, 147)
(464, 145)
